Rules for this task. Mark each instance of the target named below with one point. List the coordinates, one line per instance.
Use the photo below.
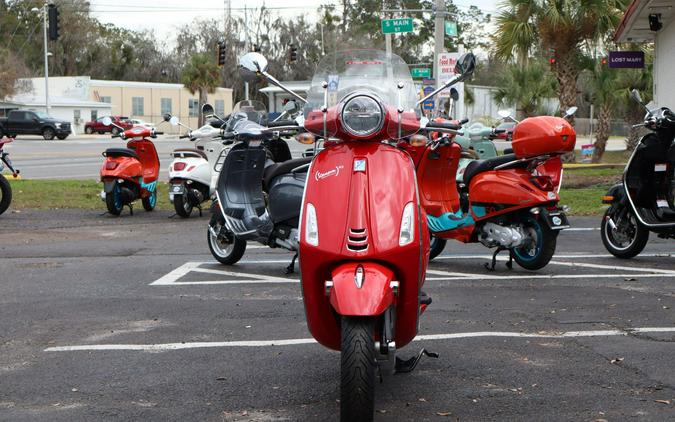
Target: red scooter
(364, 240)
(130, 173)
(509, 202)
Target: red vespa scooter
(130, 173)
(364, 241)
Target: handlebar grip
(282, 123)
(669, 114)
(159, 133)
(116, 136)
(464, 121)
(183, 136)
(497, 131)
(451, 126)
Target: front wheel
(150, 202)
(182, 205)
(357, 369)
(224, 245)
(437, 245)
(88, 130)
(48, 133)
(538, 248)
(115, 131)
(5, 194)
(621, 234)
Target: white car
(139, 122)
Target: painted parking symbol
(178, 277)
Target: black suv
(25, 122)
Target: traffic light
(551, 61)
(221, 54)
(53, 14)
(292, 53)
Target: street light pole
(45, 23)
(439, 37)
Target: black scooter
(645, 200)
(259, 191)
(5, 187)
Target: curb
(571, 166)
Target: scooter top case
(240, 192)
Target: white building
(654, 21)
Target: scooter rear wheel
(357, 369)
(226, 251)
(537, 253)
(150, 202)
(113, 201)
(628, 238)
(437, 245)
(182, 205)
(5, 194)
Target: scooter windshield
(370, 72)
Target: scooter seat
(121, 152)
(277, 169)
(192, 150)
(480, 166)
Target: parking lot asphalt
(129, 318)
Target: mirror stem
(459, 78)
(274, 81)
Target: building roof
(634, 26)
(33, 101)
(134, 84)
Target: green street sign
(397, 26)
(424, 72)
(451, 29)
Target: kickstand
(291, 267)
(172, 215)
(491, 267)
(509, 263)
(101, 215)
(131, 209)
(405, 366)
(199, 207)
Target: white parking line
(299, 341)
(171, 279)
(486, 277)
(613, 267)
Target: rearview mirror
(504, 113)
(290, 106)
(635, 94)
(107, 121)
(466, 64)
(167, 117)
(570, 111)
(207, 110)
(251, 65)
(454, 94)
(174, 120)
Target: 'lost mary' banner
(626, 59)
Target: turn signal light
(418, 140)
(179, 166)
(607, 199)
(111, 165)
(305, 138)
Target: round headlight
(362, 116)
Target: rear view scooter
(130, 173)
(644, 201)
(5, 187)
(194, 171)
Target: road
(79, 157)
(129, 318)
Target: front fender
(615, 194)
(373, 297)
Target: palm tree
(560, 27)
(606, 95)
(526, 87)
(201, 75)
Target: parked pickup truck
(25, 122)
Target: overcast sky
(163, 16)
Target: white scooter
(193, 173)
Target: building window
(220, 107)
(193, 107)
(106, 99)
(165, 105)
(137, 106)
(94, 115)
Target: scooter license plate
(178, 189)
(558, 221)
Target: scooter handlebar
(183, 136)
(282, 123)
(437, 125)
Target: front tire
(5, 194)
(182, 205)
(437, 245)
(88, 130)
(48, 133)
(628, 238)
(224, 250)
(357, 369)
(538, 250)
(115, 131)
(113, 201)
(150, 202)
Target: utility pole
(45, 23)
(439, 37)
(387, 37)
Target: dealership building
(653, 21)
(80, 99)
